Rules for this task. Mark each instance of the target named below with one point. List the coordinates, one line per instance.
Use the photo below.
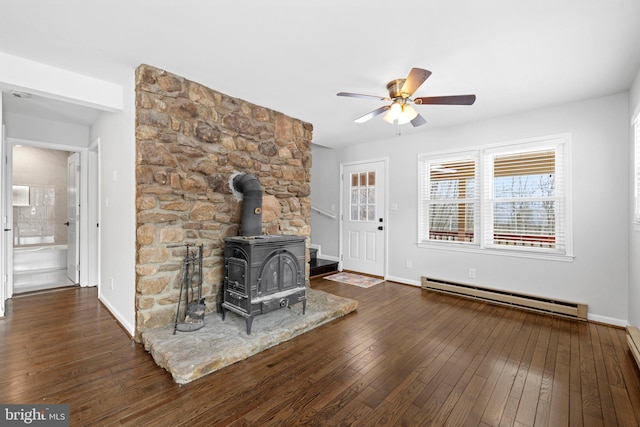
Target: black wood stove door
(236, 275)
(279, 272)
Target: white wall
(118, 213)
(325, 180)
(634, 234)
(599, 273)
(41, 79)
(43, 130)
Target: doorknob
(380, 228)
(66, 223)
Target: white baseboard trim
(608, 320)
(127, 327)
(404, 281)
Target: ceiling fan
(401, 110)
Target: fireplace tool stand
(190, 317)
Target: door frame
(385, 210)
(4, 240)
(7, 185)
(73, 214)
(93, 217)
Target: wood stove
(263, 273)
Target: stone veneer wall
(190, 140)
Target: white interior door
(73, 209)
(363, 219)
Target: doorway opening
(44, 211)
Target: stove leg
(304, 306)
(223, 313)
(249, 321)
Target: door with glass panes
(363, 222)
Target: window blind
(509, 197)
(525, 199)
(449, 200)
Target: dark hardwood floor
(406, 357)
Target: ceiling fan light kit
(401, 110)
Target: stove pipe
(251, 221)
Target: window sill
(498, 252)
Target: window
(522, 199)
(508, 197)
(363, 196)
(449, 199)
(636, 145)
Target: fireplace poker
(194, 306)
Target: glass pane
(470, 188)
(363, 213)
(524, 186)
(528, 174)
(371, 212)
(526, 163)
(525, 223)
(451, 222)
(354, 197)
(452, 180)
(363, 179)
(444, 190)
(372, 178)
(354, 212)
(363, 196)
(372, 195)
(354, 180)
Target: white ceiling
(293, 56)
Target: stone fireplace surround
(190, 140)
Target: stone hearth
(192, 355)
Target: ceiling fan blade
(450, 100)
(359, 95)
(418, 121)
(372, 114)
(416, 77)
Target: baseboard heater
(633, 339)
(527, 302)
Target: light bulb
(408, 113)
(387, 117)
(396, 110)
(394, 113)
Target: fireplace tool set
(190, 317)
